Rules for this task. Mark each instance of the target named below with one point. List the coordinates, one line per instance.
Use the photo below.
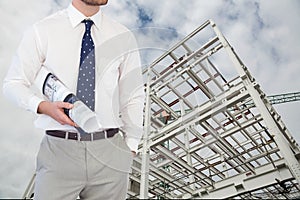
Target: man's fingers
(55, 110)
(66, 105)
(69, 121)
(64, 119)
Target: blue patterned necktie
(86, 75)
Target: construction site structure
(210, 130)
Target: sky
(265, 35)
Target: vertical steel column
(144, 183)
(187, 145)
(249, 83)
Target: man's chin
(94, 2)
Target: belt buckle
(86, 137)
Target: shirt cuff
(34, 103)
(132, 143)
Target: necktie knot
(88, 24)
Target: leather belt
(87, 137)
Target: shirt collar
(76, 17)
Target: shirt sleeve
(17, 85)
(131, 92)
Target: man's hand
(56, 111)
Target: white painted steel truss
(210, 131)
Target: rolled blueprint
(55, 90)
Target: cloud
(265, 34)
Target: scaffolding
(210, 131)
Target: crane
(283, 98)
(273, 99)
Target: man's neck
(85, 9)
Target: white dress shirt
(55, 43)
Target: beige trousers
(67, 169)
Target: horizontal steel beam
(198, 114)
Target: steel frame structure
(210, 131)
